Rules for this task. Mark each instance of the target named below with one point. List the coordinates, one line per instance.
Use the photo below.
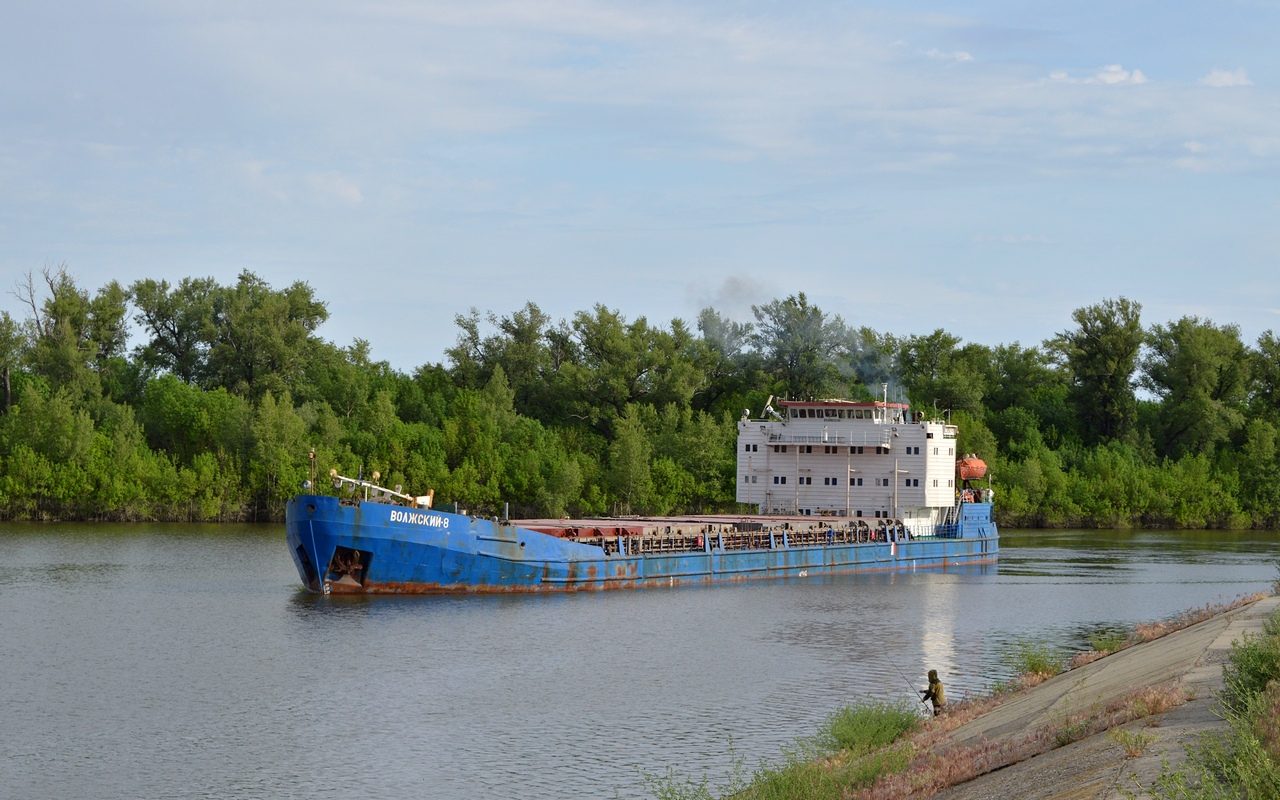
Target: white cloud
(1222, 77)
(1114, 74)
(1111, 74)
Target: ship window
(808, 448)
(908, 483)
(795, 414)
(753, 478)
(951, 451)
(841, 414)
(859, 481)
(784, 479)
(928, 436)
(915, 481)
(859, 512)
(935, 483)
(949, 483)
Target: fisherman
(935, 693)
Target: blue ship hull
(377, 548)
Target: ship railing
(883, 439)
(379, 494)
(859, 532)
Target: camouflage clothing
(935, 694)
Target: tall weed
(1035, 659)
(866, 726)
(1245, 760)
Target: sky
(982, 167)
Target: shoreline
(1095, 765)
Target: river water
(186, 662)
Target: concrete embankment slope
(1096, 767)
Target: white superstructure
(850, 459)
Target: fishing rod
(914, 690)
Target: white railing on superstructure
(885, 439)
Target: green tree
(611, 363)
(629, 455)
(1200, 373)
(1259, 470)
(799, 342)
(519, 346)
(940, 373)
(74, 338)
(870, 359)
(179, 322)
(262, 336)
(1264, 364)
(1101, 355)
(12, 347)
(280, 459)
(731, 370)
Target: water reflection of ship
(938, 629)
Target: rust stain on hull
(610, 584)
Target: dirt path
(1096, 767)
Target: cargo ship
(834, 487)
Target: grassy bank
(1243, 760)
(878, 751)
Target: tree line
(213, 413)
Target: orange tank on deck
(971, 468)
